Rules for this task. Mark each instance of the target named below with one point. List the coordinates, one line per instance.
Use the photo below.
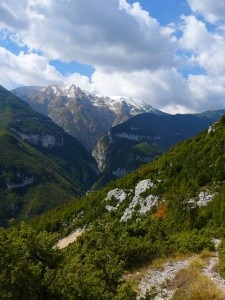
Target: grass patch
(159, 263)
(196, 263)
(190, 284)
(205, 254)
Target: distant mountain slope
(213, 114)
(143, 138)
(40, 165)
(85, 116)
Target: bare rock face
(85, 116)
(102, 153)
(44, 140)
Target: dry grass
(190, 284)
(162, 210)
(159, 263)
(206, 254)
(137, 274)
(196, 263)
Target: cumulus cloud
(132, 54)
(122, 36)
(213, 11)
(208, 91)
(206, 48)
(156, 88)
(195, 36)
(33, 69)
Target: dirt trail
(156, 281)
(64, 242)
(210, 268)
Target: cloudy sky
(168, 53)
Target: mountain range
(43, 166)
(189, 180)
(120, 133)
(84, 115)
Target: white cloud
(195, 36)
(80, 80)
(208, 91)
(213, 11)
(107, 34)
(33, 69)
(132, 54)
(206, 49)
(156, 88)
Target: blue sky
(165, 11)
(170, 54)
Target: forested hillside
(172, 205)
(40, 165)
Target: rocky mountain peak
(70, 91)
(84, 115)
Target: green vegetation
(91, 268)
(33, 177)
(146, 137)
(94, 265)
(28, 264)
(221, 266)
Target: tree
(28, 263)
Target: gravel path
(210, 268)
(156, 281)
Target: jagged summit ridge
(70, 91)
(73, 91)
(84, 115)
